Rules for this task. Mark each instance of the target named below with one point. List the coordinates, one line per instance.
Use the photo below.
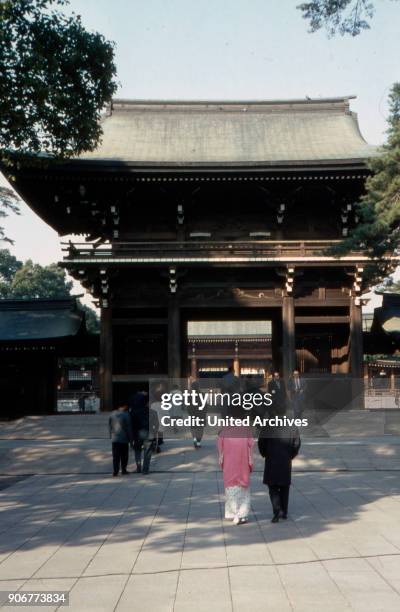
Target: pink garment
(235, 448)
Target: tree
(8, 203)
(338, 16)
(33, 281)
(55, 80)
(92, 319)
(378, 231)
(27, 280)
(9, 265)
(390, 286)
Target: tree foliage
(9, 265)
(8, 203)
(92, 319)
(33, 281)
(338, 16)
(30, 281)
(55, 79)
(378, 232)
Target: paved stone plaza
(160, 542)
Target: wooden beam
(326, 319)
(140, 321)
(126, 378)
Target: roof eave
(223, 166)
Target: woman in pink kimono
(235, 448)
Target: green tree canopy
(338, 16)
(378, 232)
(9, 265)
(30, 281)
(33, 281)
(8, 203)
(55, 79)
(92, 319)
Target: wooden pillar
(288, 337)
(356, 354)
(193, 364)
(276, 343)
(356, 338)
(106, 360)
(236, 363)
(174, 337)
(49, 405)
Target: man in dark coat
(145, 425)
(230, 383)
(120, 429)
(278, 445)
(277, 389)
(297, 391)
(195, 412)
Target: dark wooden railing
(273, 248)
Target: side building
(35, 337)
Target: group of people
(292, 394)
(134, 424)
(137, 424)
(278, 446)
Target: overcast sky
(241, 49)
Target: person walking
(278, 445)
(145, 425)
(297, 388)
(120, 429)
(230, 383)
(156, 405)
(235, 450)
(194, 411)
(277, 389)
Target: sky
(241, 49)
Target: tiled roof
(239, 133)
(39, 319)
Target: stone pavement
(159, 542)
(339, 424)
(67, 444)
(22, 457)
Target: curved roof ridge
(274, 132)
(217, 101)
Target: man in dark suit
(120, 429)
(145, 425)
(279, 446)
(297, 389)
(230, 383)
(277, 389)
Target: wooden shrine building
(34, 336)
(214, 346)
(194, 211)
